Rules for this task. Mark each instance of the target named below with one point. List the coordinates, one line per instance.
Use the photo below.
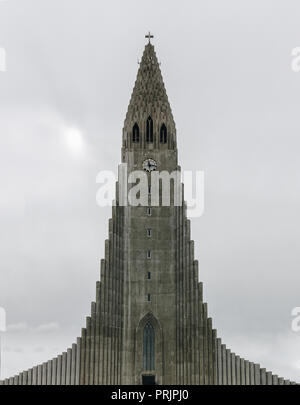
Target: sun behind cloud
(74, 141)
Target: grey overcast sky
(71, 67)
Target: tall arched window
(149, 130)
(149, 347)
(135, 133)
(163, 134)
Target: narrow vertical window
(149, 232)
(149, 347)
(135, 133)
(148, 254)
(149, 275)
(163, 134)
(148, 297)
(149, 189)
(149, 130)
(149, 213)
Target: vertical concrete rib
(224, 365)
(44, 374)
(54, 372)
(30, 373)
(214, 357)
(243, 376)
(118, 293)
(238, 370)
(247, 372)
(185, 326)
(87, 351)
(233, 369)
(177, 303)
(73, 364)
(196, 320)
(59, 370)
(78, 361)
(25, 377)
(68, 366)
(257, 374)
(49, 372)
(97, 333)
(228, 361)
(39, 374)
(205, 346)
(188, 304)
(64, 368)
(269, 378)
(101, 323)
(201, 334)
(92, 344)
(210, 351)
(105, 365)
(219, 357)
(109, 306)
(252, 373)
(113, 305)
(263, 376)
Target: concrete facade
(149, 276)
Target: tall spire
(149, 97)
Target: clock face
(149, 165)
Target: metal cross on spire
(149, 36)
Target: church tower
(148, 324)
(142, 295)
(149, 144)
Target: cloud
(22, 327)
(18, 327)
(47, 327)
(39, 349)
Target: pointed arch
(149, 130)
(149, 347)
(149, 317)
(163, 134)
(135, 133)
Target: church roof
(149, 95)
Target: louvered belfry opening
(135, 133)
(149, 130)
(163, 134)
